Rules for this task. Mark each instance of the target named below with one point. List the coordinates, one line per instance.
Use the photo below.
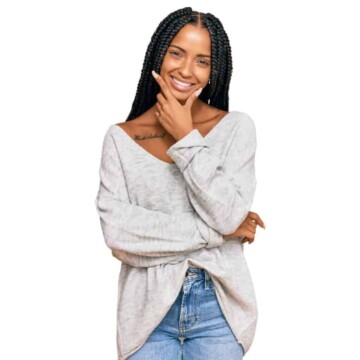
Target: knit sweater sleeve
(139, 235)
(221, 193)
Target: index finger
(254, 216)
(167, 93)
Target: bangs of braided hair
(217, 92)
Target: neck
(197, 109)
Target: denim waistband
(194, 274)
(200, 273)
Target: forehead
(193, 38)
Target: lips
(180, 85)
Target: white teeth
(181, 83)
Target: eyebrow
(202, 55)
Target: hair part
(217, 92)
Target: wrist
(183, 134)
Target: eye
(176, 53)
(204, 62)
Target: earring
(209, 98)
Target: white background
(69, 69)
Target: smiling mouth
(179, 85)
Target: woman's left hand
(173, 116)
(247, 228)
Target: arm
(137, 232)
(222, 196)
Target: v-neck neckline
(137, 146)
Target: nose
(186, 69)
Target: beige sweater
(160, 218)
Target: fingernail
(155, 75)
(198, 91)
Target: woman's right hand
(248, 228)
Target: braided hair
(221, 61)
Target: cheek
(202, 73)
(204, 76)
(169, 64)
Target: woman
(177, 180)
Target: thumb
(192, 98)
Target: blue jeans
(194, 328)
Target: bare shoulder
(126, 126)
(211, 113)
(134, 126)
(144, 122)
(208, 119)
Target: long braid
(221, 62)
(222, 54)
